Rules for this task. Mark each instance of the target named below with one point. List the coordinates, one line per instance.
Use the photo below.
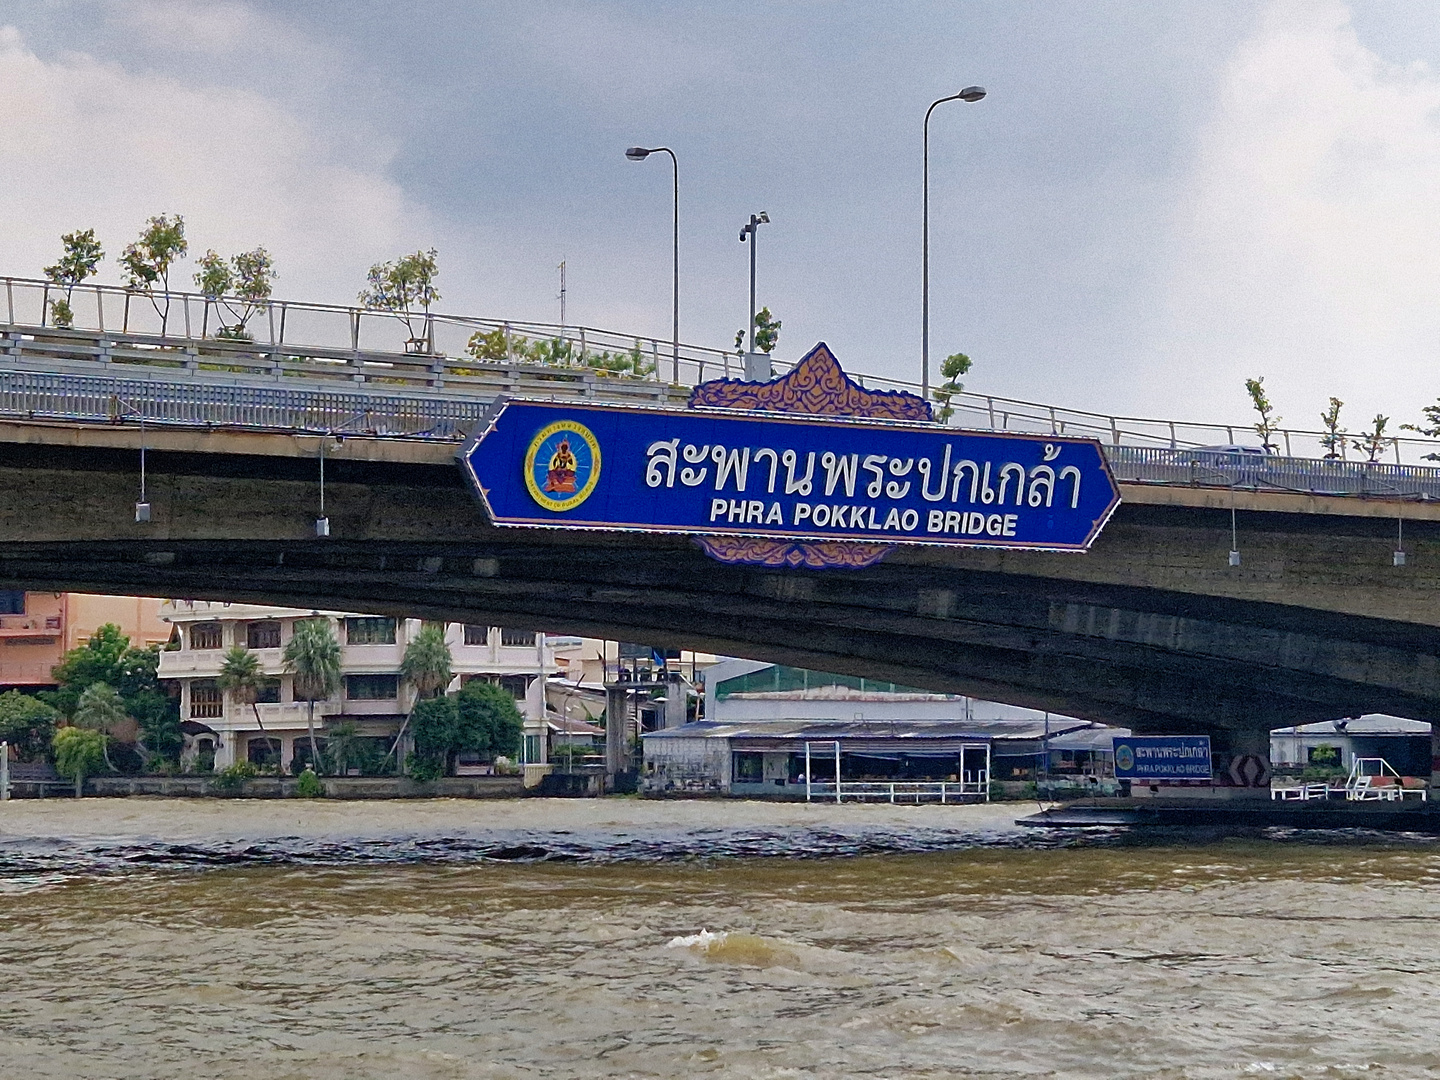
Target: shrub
(27, 724)
(232, 778)
(78, 753)
(423, 769)
(309, 786)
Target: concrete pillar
(675, 704)
(617, 730)
(1248, 768)
(1434, 756)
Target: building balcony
(276, 716)
(28, 625)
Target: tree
(312, 656)
(1373, 442)
(246, 280)
(27, 724)
(435, 723)
(81, 255)
(343, 747)
(1334, 438)
(108, 657)
(1269, 423)
(241, 677)
(767, 333)
(79, 753)
(489, 722)
(148, 260)
(425, 666)
(1430, 429)
(101, 709)
(955, 365)
(403, 285)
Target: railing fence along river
(328, 368)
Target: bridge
(1154, 628)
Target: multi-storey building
(38, 628)
(373, 696)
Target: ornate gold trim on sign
(793, 554)
(817, 385)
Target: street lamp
(970, 93)
(751, 231)
(640, 153)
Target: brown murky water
(149, 939)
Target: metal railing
(326, 368)
(902, 791)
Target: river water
(619, 938)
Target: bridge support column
(1434, 758)
(1246, 769)
(617, 730)
(675, 704)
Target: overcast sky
(1155, 200)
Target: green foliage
(1334, 438)
(27, 724)
(955, 365)
(489, 722)
(427, 661)
(403, 285)
(100, 708)
(109, 658)
(423, 769)
(1269, 423)
(232, 778)
(1372, 443)
(435, 726)
(1430, 429)
(488, 345)
(308, 786)
(78, 753)
(240, 675)
(312, 656)
(148, 260)
(767, 333)
(81, 255)
(242, 286)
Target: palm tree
(100, 708)
(241, 677)
(426, 667)
(312, 656)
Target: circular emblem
(1124, 757)
(562, 465)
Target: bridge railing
(390, 375)
(1193, 467)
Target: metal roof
(913, 731)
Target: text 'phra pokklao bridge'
(1034, 555)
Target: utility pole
(562, 297)
(751, 232)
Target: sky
(1153, 203)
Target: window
(262, 635)
(268, 692)
(205, 635)
(370, 631)
(748, 768)
(12, 602)
(515, 685)
(532, 748)
(517, 637)
(205, 700)
(263, 751)
(477, 635)
(372, 687)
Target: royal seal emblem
(562, 465)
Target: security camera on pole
(757, 364)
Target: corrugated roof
(801, 730)
(1369, 724)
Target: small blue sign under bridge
(1162, 757)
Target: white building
(372, 694)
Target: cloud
(92, 143)
(1308, 249)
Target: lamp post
(640, 153)
(970, 93)
(751, 231)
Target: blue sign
(731, 472)
(1162, 757)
